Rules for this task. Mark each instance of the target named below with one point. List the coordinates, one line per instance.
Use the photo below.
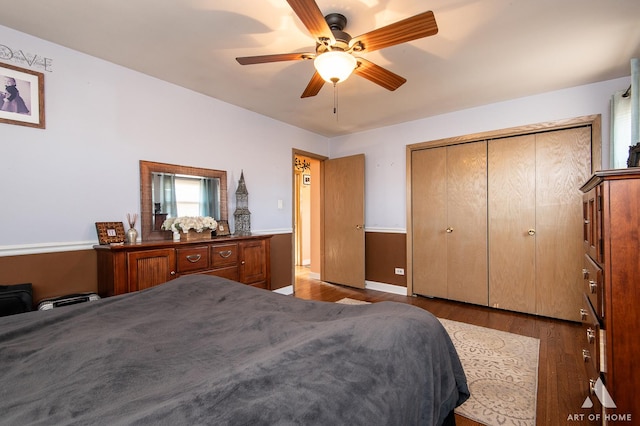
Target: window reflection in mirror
(176, 195)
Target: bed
(205, 350)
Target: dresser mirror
(168, 190)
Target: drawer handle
(225, 253)
(585, 274)
(592, 386)
(193, 258)
(587, 221)
(591, 335)
(593, 286)
(583, 314)
(586, 355)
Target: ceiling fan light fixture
(335, 66)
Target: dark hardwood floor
(561, 371)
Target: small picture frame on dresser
(634, 156)
(222, 230)
(110, 232)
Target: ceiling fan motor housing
(337, 22)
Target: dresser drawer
(591, 338)
(593, 284)
(230, 273)
(224, 255)
(192, 259)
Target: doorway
(307, 178)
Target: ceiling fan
(335, 56)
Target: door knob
(449, 230)
(359, 226)
(531, 232)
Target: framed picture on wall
(21, 96)
(110, 232)
(306, 179)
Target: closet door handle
(449, 230)
(531, 232)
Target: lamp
(335, 66)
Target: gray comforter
(205, 350)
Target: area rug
(349, 301)
(501, 370)
(502, 374)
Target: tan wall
(52, 274)
(59, 274)
(385, 251)
(281, 260)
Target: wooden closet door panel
(511, 195)
(429, 220)
(563, 161)
(467, 221)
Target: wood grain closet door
(563, 163)
(449, 222)
(512, 223)
(429, 221)
(467, 223)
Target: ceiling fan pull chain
(335, 102)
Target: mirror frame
(146, 204)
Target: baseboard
(387, 288)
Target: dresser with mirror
(123, 268)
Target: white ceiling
(486, 51)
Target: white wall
(385, 149)
(101, 119)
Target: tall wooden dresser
(611, 298)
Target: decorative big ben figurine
(242, 215)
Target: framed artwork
(634, 156)
(223, 228)
(306, 179)
(110, 232)
(21, 96)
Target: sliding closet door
(512, 223)
(449, 220)
(563, 161)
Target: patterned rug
(501, 370)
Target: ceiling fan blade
(314, 86)
(249, 60)
(312, 18)
(418, 26)
(378, 75)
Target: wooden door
(343, 213)
(467, 222)
(563, 164)
(429, 221)
(512, 223)
(449, 222)
(148, 268)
